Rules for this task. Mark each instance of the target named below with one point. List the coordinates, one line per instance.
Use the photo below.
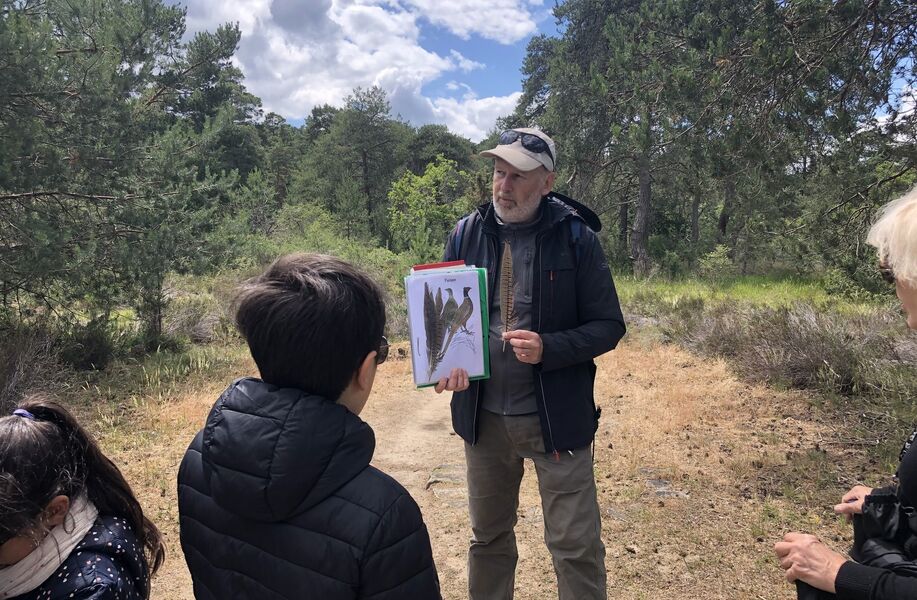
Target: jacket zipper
(491, 280)
(552, 292)
(544, 400)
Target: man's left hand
(526, 344)
(457, 381)
(806, 558)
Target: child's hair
(309, 321)
(895, 236)
(52, 455)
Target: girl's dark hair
(53, 455)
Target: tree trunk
(623, 225)
(729, 200)
(638, 243)
(366, 191)
(695, 219)
(153, 300)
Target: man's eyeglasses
(887, 274)
(382, 351)
(530, 142)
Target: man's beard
(518, 213)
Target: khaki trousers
(572, 525)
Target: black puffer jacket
(574, 307)
(108, 564)
(277, 500)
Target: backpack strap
(459, 234)
(576, 231)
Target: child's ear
(56, 511)
(367, 372)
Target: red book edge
(439, 265)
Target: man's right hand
(852, 502)
(456, 382)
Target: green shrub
(89, 346)
(837, 283)
(716, 264)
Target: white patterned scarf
(32, 571)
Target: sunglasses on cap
(382, 351)
(530, 142)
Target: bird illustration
(449, 308)
(459, 320)
(463, 313)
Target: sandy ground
(698, 475)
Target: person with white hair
(885, 519)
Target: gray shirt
(511, 387)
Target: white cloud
(463, 63)
(474, 117)
(296, 55)
(504, 21)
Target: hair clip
(21, 412)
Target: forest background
(736, 152)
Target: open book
(448, 321)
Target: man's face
(517, 194)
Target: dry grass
(743, 464)
(727, 449)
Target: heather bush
(28, 362)
(868, 353)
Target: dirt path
(698, 475)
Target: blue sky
(455, 62)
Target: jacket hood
(557, 208)
(270, 453)
(587, 214)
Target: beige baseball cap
(517, 154)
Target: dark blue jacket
(575, 309)
(277, 500)
(108, 564)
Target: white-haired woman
(807, 559)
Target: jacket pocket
(559, 291)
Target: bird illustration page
(448, 321)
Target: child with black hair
(70, 526)
(277, 499)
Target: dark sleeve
(105, 591)
(447, 251)
(399, 561)
(859, 582)
(598, 311)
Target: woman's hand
(852, 502)
(456, 382)
(805, 558)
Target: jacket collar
(272, 452)
(555, 208)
